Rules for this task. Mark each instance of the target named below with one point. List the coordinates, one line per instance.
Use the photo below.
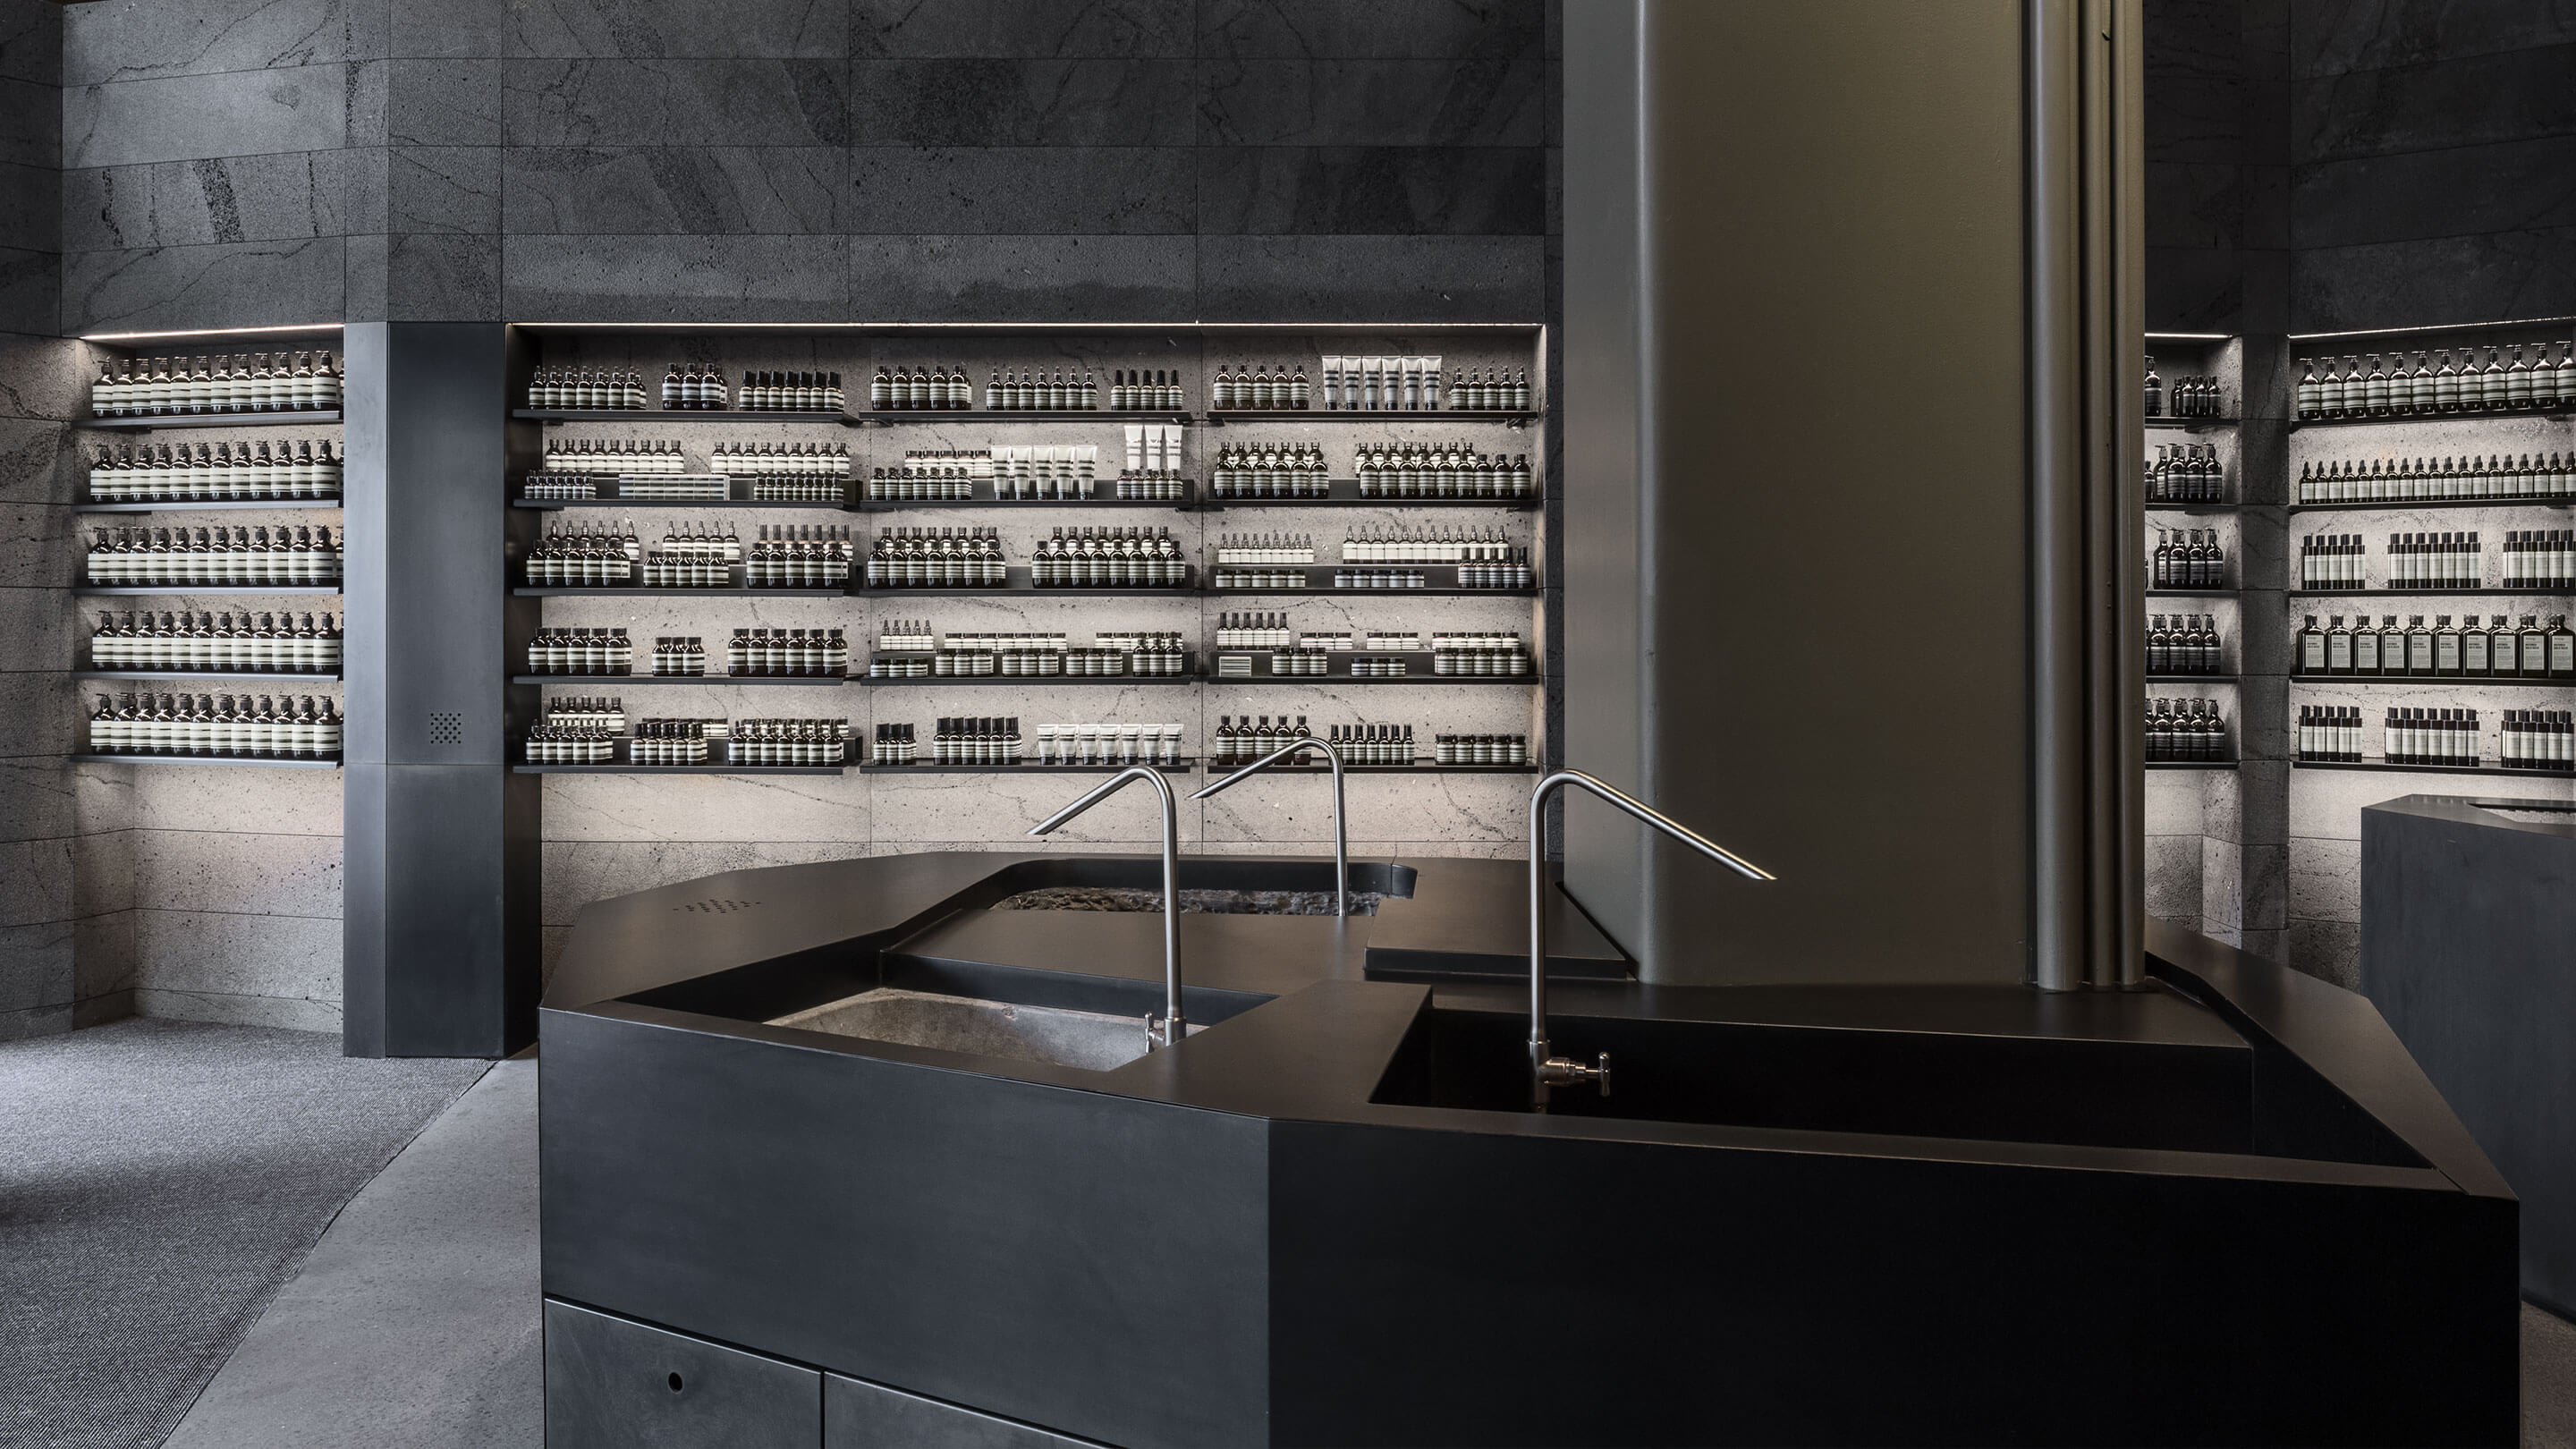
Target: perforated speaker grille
(715, 907)
(446, 728)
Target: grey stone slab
(443, 278)
(1061, 29)
(365, 265)
(161, 797)
(236, 872)
(43, 376)
(579, 872)
(703, 190)
(35, 1021)
(180, 118)
(31, 123)
(30, 290)
(444, 189)
(39, 628)
(102, 872)
(31, 41)
(674, 103)
(238, 1009)
(681, 279)
(36, 966)
(1495, 99)
(135, 39)
(2196, 119)
(103, 959)
(2199, 205)
(2327, 950)
(1371, 279)
(443, 102)
(296, 958)
(414, 1322)
(1379, 190)
(367, 200)
(2434, 281)
(2194, 289)
(2327, 36)
(1369, 29)
(2506, 186)
(1022, 102)
(36, 544)
(213, 199)
(367, 99)
(449, 28)
(44, 714)
(1022, 278)
(2267, 207)
(36, 466)
(965, 190)
(240, 284)
(811, 29)
(707, 807)
(2191, 38)
(2517, 95)
(36, 881)
(38, 799)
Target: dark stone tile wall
(2431, 144)
(247, 162)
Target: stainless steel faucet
(1547, 1070)
(1341, 832)
(1172, 1028)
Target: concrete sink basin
(1094, 1041)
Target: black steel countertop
(724, 953)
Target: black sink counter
(1833, 1214)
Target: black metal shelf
(2191, 593)
(2196, 425)
(1019, 586)
(2525, 680)
(2382, 768)
(1418, 767)
(729, 591)
(678, 415)
(250, 760)
(200, 676)
(2192, 679)
(641, 504)
(1339, 665)
(2192, 764)
(273, 505)
(524, 769)
(211, 420)
(620, 681)
(1346, 494)
(171, 589)
(2194, 508)
(2425, 593)
(985, 500)
(1178, 767)
(2555, 414)
(1222, 416)
(916, 416)
(2394, 505)
(1046, 680)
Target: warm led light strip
(207, 332)
(1036, 326)
(2437, 327)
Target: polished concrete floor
(413, 1324)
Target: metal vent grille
(716, 907)
(446, 728)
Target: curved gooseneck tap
(1172, 1028)
(1341, 833)
(1548, 1070)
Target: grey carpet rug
(158, 1181)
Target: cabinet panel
(618, 1384)
(862, 1415)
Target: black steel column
(439, 942)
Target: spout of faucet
(1548, 1070)
(1172, 1027)
(1341, 831)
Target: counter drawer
(614, 1383)
(862, 1415)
